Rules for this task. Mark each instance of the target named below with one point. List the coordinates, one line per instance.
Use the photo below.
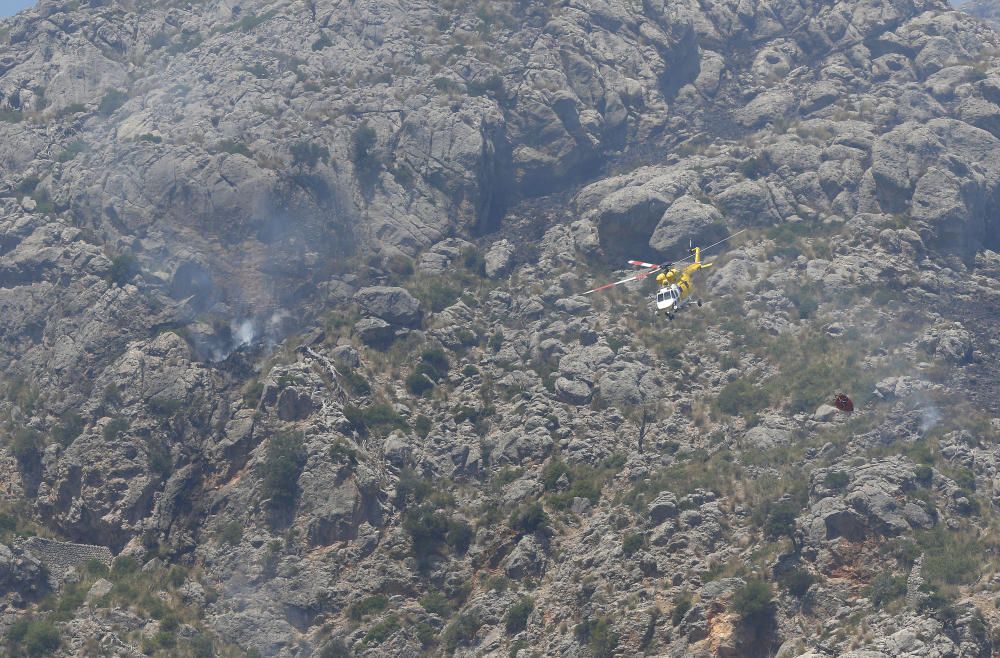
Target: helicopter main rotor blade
(638, 276)
(642, 264)
(704, 249)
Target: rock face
(292, 334)
(394, 305)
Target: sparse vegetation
(598, 635)
(885, 588)
(741, 397)
(754, 603)
(369, 606)
(461, 631)
(517, 617)
(111, 101)
(280, 471)
(631, 544)
(380, 418)
(34, 637)
(124, 267)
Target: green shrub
(436, 292)
(754, 603)
(74, 149)
(461, 631)
(529, 518)
(231, 533)
(380, 417)
(411, 486)
(426, 528)
(496, 341)
(33, 637)
(781, 521)
(251, 396)
(164, 406)
(381, 631)
(11, 116)
(309, 153)
(233, 147)
(202, 647)
(368, 606)
(336, 648)
(8, 524)
(836, 480)
(950, 558)
(742, 397)
(111, 102)
(282, 466)
(418, 383)
(682, 604)
(123, 565)
(321, 43)
(70, 426)
(158, 456)
(436, 359)
(598, 635)
(436, 603)
(631, 544)
(924, 475)
(965, 479)
(551, 473)
(798, 581)
(27, 446)
(115, 428)
(517, 617)
(365, 159)
(422, 426)
(342, 451)
(885, 588)
(459, 536)
(124, 267)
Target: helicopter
(674, 292)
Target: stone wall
(59, 556)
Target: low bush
(598, 635)
(380, 418)
(885, 588)
(381, 631)
(124, 267)
(682, 603)
(517, 617)
(111, 102)
(461, 631)
(114, 429)
(754, 603)
(836, 480)
(282, 466)
(33, 637)
(742, 397)
(798, 581)
(529, 518)
(631, 544)
(436, 603)
(368, 606)
(70, 426)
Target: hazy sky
(11, 7)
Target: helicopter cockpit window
(674, 293)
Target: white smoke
(929, 417)
(244, 333)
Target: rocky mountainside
(291, 324)
(987, 10)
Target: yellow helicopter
(675, 286)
